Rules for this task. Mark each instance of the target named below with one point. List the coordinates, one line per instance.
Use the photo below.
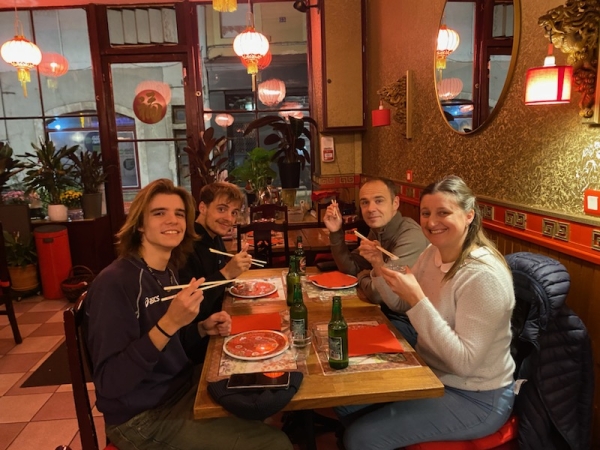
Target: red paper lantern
(271, 92)
(250, 45)
(53, 65)
(549, 84)
(149, 106)
(262, 63)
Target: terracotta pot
(23, 278)
(91, 205)
(57, 213)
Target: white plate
(266, 289)
(256, 345)
(334, 287)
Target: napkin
(333, 279)
(350, 237)
(270, 321)
(370, 340)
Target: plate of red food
(333, 280)
(252, 289)
(256, 345)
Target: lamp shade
(548, 85)
(207, 114)
(447, 42)
(224, 5)
(380, 117)
(157, 86)
(22, 54)
(271, 92)
(289, 109)
(449, 88)
(251, 46)
(52, 66)
(224, 120)
(149, 106)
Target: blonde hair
(466, 200)
(129, 238)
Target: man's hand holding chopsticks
(238, 264)
(184, 307)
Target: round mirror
(475, 58)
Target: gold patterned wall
(541, 156)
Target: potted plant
(289, 136)
(49, 170)
(8, 166)
(88, 172)
(207, 163)
(21, 259)
(256, 169)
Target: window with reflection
(471, 80)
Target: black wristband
(163, 331)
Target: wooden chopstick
(256, 262)
(379, 247)
(334, 201)
(203, 288)
(206, 283)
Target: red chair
(79, 363)
(504, 438)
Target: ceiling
(47, 3)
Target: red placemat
(269, 321)
(368, 340)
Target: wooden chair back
(269, 211)
(263, 241)
(5, 298)
(79, 360)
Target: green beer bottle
(298, 317)
(338, 336)
(292, 278)
(300, 256)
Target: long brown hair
(129, 238)
(466, 200)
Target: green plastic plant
(19, 252)
(49, 169)
(256, 168)
(207, 160)
(88, 171)
(289, 136)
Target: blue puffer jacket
(554, 354)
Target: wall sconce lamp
(380, 117)
(303, 6)
(570, 29)
(549, 84)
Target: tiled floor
(43, 418)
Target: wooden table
(317, 390)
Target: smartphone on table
(255, 380)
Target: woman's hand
(404, 284)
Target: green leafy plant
(88, 171)
(49, 169)
(19, 252)
(207, 159)
(256, 168)
(8, 166)
(289, 136)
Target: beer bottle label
(298, 328)
(335, 349)
(302, 264)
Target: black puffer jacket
(554, 354)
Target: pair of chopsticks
(204, 287)
(256, 262)
(334, 202)
(379, 247)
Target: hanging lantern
(224, 5)
(262, 63)
(22, 54)
(224, 120)
(251, 46)
(447, 42)
(149, 106)
(449, 88)
(156, 86)
(271, 92)
(53, 65)
(286, 112)
(549, 84)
